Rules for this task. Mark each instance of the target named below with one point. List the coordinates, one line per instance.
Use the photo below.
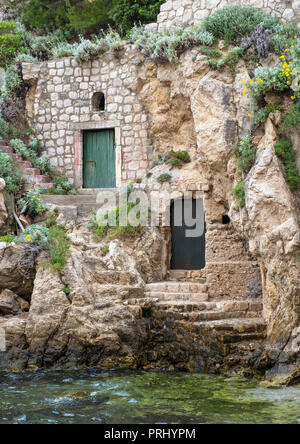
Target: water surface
(128, 397)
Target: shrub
(211, 53)
(290, 119)
(181, 155)
(283, 37)
(267, 80)
(115, 231)
(4, 127)
(261, 114)
(259, 41)
(10, 42)
(85, 50)
(59, 247)
(63, 185)
(245, 153)
(34, 234)
(33, 202)
(169, 44)
(12, 176)
(232, 23)
(12, 78)
(284, 150)
(127, 13)
(164, 178)
(230, 60)
(8, 238)
(239, 193)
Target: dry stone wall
(60, 106)
(192, 12)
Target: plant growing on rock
(245, 153)
(239, 193)
(259, 41)
(284, 150)
(31, 201)
(232, 23)
(169, 45)
(34, 234)
(12, 176)
(291, 118)
(164, 178)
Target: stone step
(140, 301)
(44, 186)
(188, 297)
(203, 316)
(255, 325)
(222, 307)
(236, 338)
(38, 179)
(176, 287)
(32, 171)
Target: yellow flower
(244, 82)
(249, 114)
(282, 57)
(293, 97)
(287, 49)
(28, 238)
(288, 82)
(37, 198)
(244, 92)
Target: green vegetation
(232, 23)
(8, 238)
(239, 193)
(36, 235)
(10, 42)
(128, 13)
(168, 45)
(85, 17)
(164, 178)
(245, 153)
(110, 226)
(54, 240)
(183, 156)
(291, 119)
(261, 114)
(58, 248)
(32, 202)
(12, 176)
(230, 60)
(285, 152)
(104, 251)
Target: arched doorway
(188, 234)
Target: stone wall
(193, 11)
(59, 107)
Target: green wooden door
(99, 159)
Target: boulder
(12, 304)
(17, 268)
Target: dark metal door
(99, 159)
(188, 253)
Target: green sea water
(128, 397)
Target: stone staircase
(32, 175)
(188, 304)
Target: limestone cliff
(106, 319)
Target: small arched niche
(98, 102)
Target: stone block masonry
(60, 107)
(192, 12)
